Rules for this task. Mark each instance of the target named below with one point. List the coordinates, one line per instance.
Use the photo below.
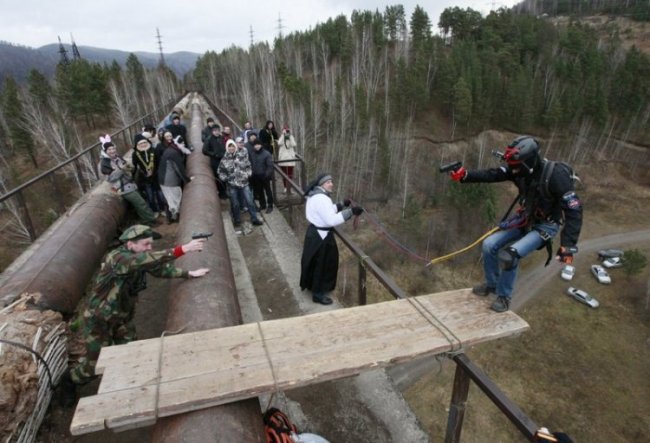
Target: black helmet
(524, 150)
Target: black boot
(67, 391)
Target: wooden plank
(213, 367)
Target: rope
(395, 244)
(38, 356)
(268, 358)
(466, 248)
(159, 371)
(438, 324)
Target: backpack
(547, 171)
(278, 427)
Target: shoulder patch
(571, 200)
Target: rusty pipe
(62, 261)
(206, 303)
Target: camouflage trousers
(99, 331)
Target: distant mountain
(17, 61)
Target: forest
(373, 97)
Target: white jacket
(287, 149)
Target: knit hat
(323, 179)
(137, 139)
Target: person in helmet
(547, 200)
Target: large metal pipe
(63, 260)
(206, 303)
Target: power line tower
(160, 48)
(75, 51)
(280, 27)
(64, 54)
(250, 32)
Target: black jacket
(215, 148)
(261, 163)
(556, 202)
(177, 130)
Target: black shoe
(501, 304)
(67, 391)
(483, 290)
(257, 222)
(268, 211)
(324, 300)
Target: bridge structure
(245, 340)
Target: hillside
(17, 61)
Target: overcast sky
(194, 25)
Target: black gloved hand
(357, 210)
(347, 202)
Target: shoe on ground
(244, 210)
(324, 300)
(483, 290)
(257, 222)
(501, 304)
(269, 210)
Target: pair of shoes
(483, 290)
(257, 222)
(268, 211)
(324, 300)
(501, 304)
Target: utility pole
(64, 54)
(280, 27)
(161, 63)
(250, 32)
(75, 51)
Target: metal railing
(126, 135)
(466, 370)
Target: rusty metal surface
(206, 303)
(65, 261)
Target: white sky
(194, 25)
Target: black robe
(320, 262)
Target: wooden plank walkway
(154, 378)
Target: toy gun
(197, 235)
(453, 166)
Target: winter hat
(210, 120)
(146, 134)
(324, 178)
(231, 142)
(239, 139)
(137, 139)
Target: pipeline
(206, 303)
(62, 261)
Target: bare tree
(12, 227)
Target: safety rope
(396, 245)
(437, 324)
(268, 358)
(466, 248)
(159, 371)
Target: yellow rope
(466, 248)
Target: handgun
(498, 154)
(197, 235)
(453, 166)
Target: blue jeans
(523, 242)
(246, 197)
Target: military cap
(138, 232)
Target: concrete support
(206, 303)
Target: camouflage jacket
(122, 276)
(235, 168)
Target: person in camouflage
(108, 319)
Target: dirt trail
(535, 279)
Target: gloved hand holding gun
(455, 169)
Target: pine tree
(12, 107)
